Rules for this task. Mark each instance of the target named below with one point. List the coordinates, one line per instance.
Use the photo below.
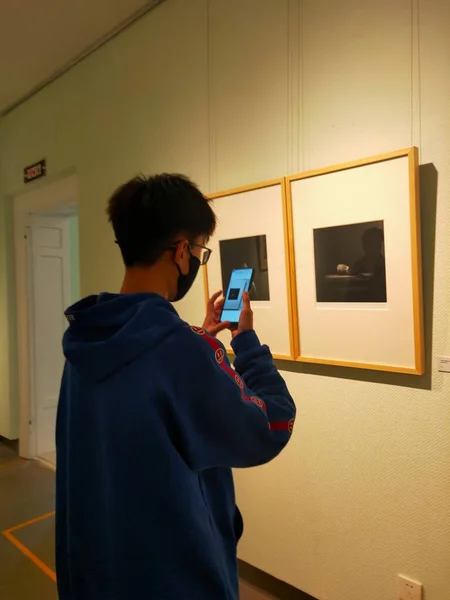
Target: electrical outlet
(408, 589)
(444, 364)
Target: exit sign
(35, 171)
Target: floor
(26, 492)
(250, 593)
(27, 532)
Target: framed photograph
(252, 232)
(262, 253)
(356, 264)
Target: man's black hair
(148, 213)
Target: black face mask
(185, 281)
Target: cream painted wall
(241, 91)
(74, 252)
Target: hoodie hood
(109, 331)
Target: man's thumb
(246, 302)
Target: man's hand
(212, 323)
(246, 318)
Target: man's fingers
(214, 297)
(219, 304)
(213, 331)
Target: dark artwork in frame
(247, 252)
(350, 264)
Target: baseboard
(45, 463)
(258, 585)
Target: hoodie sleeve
(227, 417)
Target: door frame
(51, 199)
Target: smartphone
(240, 282)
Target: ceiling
(41, 39)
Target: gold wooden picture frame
(348, 317)
(257, 215)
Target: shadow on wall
(428, 177)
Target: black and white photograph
(350, 263)
(247, 252)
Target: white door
(50, 296)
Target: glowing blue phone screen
(239, 283)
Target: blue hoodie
(151, 420)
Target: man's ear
(180, 252)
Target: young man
(152, 417)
